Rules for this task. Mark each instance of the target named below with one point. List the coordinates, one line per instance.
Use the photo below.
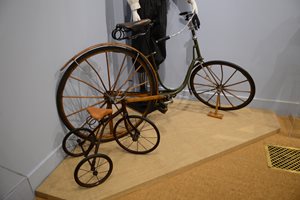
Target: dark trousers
(156, 10)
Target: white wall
(36, 39)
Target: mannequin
(135, 5)
(156, 10)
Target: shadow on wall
(283, 83)
(116, 12)
(176, 23)
(110, 18)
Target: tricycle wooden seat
(99, 113)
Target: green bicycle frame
(197, 59)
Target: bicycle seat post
(99, 114)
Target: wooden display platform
(188, 136)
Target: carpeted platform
(188, 136)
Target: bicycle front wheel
(99, 77)
(231, 84)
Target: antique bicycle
(140, 136)
(111, 69)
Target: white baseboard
(277, 106)
(14, 186)
(46, 166)
(21, 191)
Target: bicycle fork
(132, 130)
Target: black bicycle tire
(86, 159)
(91, 136)
(223, 63)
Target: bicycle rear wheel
(100, 76)
(231, 83)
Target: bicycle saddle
(131, 30)
(134, 26)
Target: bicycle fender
(108, 44)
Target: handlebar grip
(118, 34)
(184, 13)
(162, 39)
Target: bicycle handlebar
(193, 23)
(162, 39)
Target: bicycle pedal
(163, 110)
(168, 101)
(162, 107)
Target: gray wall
(38, 37)
(261, 36)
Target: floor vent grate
(283, 158)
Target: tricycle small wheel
(78, 142)
(93, 170)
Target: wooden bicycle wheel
(99, 77)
